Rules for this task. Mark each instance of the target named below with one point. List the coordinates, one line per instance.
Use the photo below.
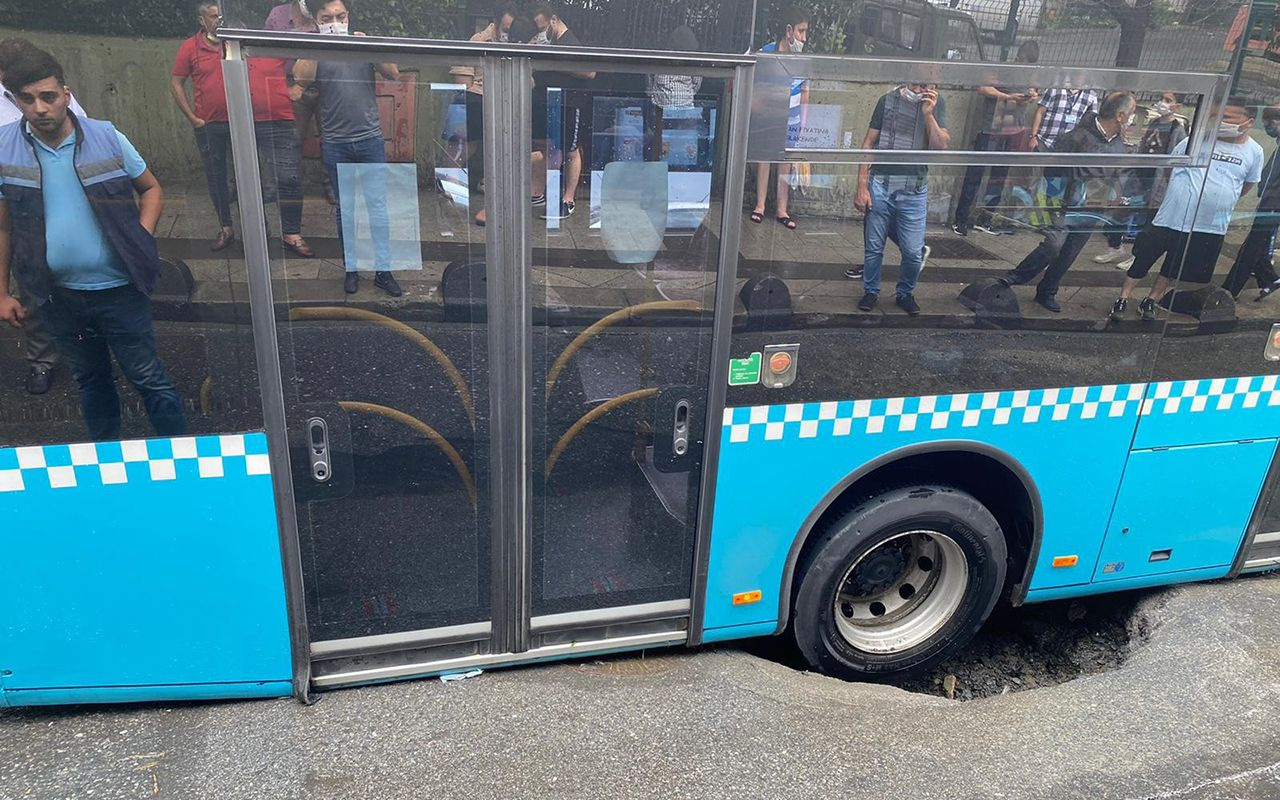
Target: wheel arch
(936, 458)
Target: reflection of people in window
(791, 38)
(668, 93)
(1092, 196)
(895, 197)
(1191, 224)
(1254, 257)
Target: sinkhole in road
(1033, 646)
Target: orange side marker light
(743, 598)
(1065, 561)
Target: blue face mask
(1272, 129)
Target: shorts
(570, 128)
(1188, 256)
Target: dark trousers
(91, 326)
(1254, 257)
(1055, 255)
(990, 142)
(214, 143)
(280, 156)
(40, 349)
(366, 151)
(475, 142)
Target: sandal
(787, 222)
(757, 217)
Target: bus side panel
(147, 565)
(777, 463)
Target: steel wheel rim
(901, 592)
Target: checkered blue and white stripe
(67, 466)
(1216, 394)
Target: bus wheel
(898, 583)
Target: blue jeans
(898, 214)
(280, 156)
(366, 151)
(91, 326)
(214, 143)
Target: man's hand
(11, 311)
(862, 199)
(929, 101)
(198, 123)
(296, 92)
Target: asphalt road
(1190, 716)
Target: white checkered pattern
(107, 463)
(1217, 394)
(935, 413)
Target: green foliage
(177, 18)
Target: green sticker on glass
(745, 371)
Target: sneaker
(1128, 262)
(1147, 308)
(960, 230)
(387, 283)
(854, 273)
(1005, 281)
(39, 379)
(538, 199)
(924, 257)
(566, 211)
(1049, 302)
(908, 304)
(868, 301)
(1267, 290)
(351, 284)
(987, 226)
(1119, 307)
(1109, 255)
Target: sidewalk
(1191, 716)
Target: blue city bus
(651, 423)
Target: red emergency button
(779, 363)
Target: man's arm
(862, 198)
(304, 72)
(178, 88)
(150, 200)
(1035, 126)
(11, 311)
(939, 137)
(388, 70)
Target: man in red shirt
(199, 60)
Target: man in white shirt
(1191, 224)
(42, 355)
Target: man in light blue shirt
(78, 210)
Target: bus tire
(898, 583)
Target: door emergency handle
(680, 430)
(318, 449)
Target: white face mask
(797, 45)
(1162, 108)
(542, 38)
(503, 37)
(1228, 131)
(334, 28)
(910, 96)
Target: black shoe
(387, 283)
(960, 229)
(854, 273)
(1267, 290)
(868, 301)
(987, 227)
(1048, 301)
(39, 379)
(352, 283)
(1118, 308)
(1005, 281)
(566, 211)
(908, 304)
(1147, 308)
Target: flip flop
(757, 217)
(787, 222)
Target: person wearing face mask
(1090, 200)
(295, 16)
(895, 197)
(1191, 224)
(1162, 135)
(351, 133)
(497, 29)
(1254, 257)
(791, 38)
(552, 30)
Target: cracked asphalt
(1190, 716)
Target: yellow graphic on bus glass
(743, 598)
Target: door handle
(680, 429)
(318, 449)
